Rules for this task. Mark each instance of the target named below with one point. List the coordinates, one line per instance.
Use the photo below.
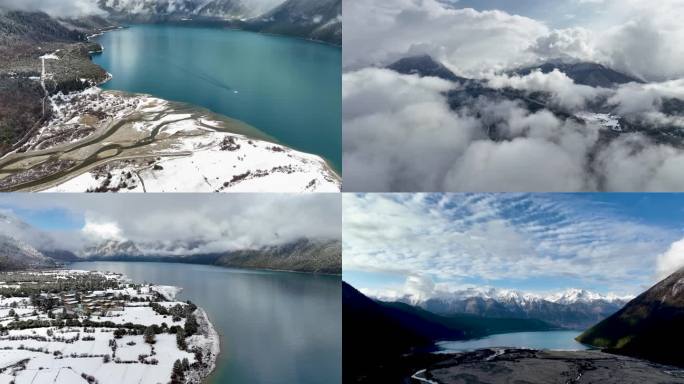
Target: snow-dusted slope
(187, 8)
(574, 295)
(158, 146)
(15, 254)
(573, 308)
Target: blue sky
(52, 219)
(542, 243)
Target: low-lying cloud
(401, 135)
(76, 8)
(58, 8)
(187, 223)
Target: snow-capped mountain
(111, 249)
(153, 9)
(574, 295)
(15, 254)
(313, 19)
(574, 308)
(305, 255)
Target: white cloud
(570, 42)
(378, 32)
(399, 133)
(495, 237)
(100, 231)
(562, 89)
(519, 165)
(58, 8)
(186, 223)
(671, 260)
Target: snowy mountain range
(24, 246)
(602, 108)
(229, 9)
(313, 19)
(573, 308)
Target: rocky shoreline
(208, 341)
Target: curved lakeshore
(287, 87)
(210, 344)
(111, 141)
(288, 322)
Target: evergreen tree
(149, 335)
(180, 340)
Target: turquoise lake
(286, 87)
(275, 327)
(554, 340)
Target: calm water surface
(276, 327)
(556, 340)
(288, 88)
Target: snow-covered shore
(208, 341)
(104, 141)
(98, 335)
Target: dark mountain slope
(591, 74)
(424, 65)
(376, 335)
(15, 255)
(314, 19)
(24, 37)
(374, 338)
(35, 27)
(303, 255)
(648, 327)
(577, 315)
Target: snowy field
(117, 142)
(70, 336)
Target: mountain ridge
(16, 255)
(311, 19)
(572, 309)
(648, 327)
(377, 335)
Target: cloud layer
(76, 8)
(632, 35)
(494, 238)
(200, 224)
(400, 134)
(58, 8)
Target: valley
(414, 345)
(307, 255)
(77, 137)
(259, 272)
